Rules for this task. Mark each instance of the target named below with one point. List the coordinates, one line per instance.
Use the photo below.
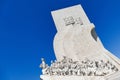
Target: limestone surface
(77, 40)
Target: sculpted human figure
(43, 65)
(82, 68)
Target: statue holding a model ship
(79, 52)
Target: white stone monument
(79, 52)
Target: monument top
(68, 16)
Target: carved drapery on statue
(87, 67)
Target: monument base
(46, 77)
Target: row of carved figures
(79, 68)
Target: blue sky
(27, 31)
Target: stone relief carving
(71, 21)
(86, 67)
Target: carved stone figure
(84, 68)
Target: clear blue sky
(27, 31)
